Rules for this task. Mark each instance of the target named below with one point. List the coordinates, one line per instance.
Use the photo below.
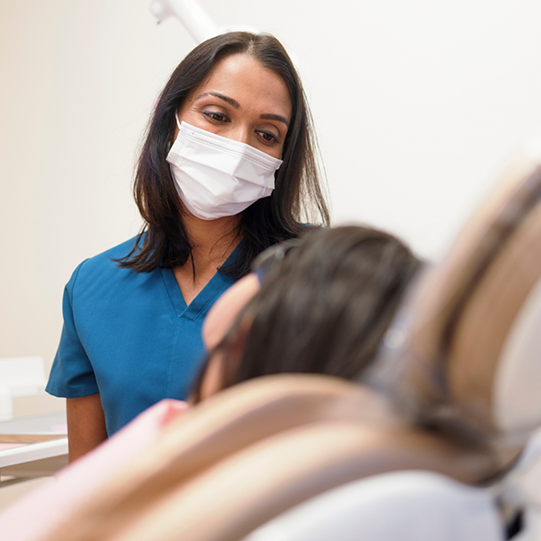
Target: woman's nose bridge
(240, 132)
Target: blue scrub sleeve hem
(72, 392)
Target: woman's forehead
(244, 79)
(224, 311)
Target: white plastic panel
(405, 506)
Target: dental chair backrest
(260, 448)
(466, 348)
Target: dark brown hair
(297, 197)
(325, 310)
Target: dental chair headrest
(466, 346)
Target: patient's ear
(224, 361)
(221, 316)
(211, 382)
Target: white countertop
(39, 458)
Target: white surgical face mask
(217, 176)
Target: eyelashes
(218, 117)
(268, 137)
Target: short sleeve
(72, 374)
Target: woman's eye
(215, 116)
(268, 137)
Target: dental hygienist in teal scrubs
(226, 170)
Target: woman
(227, 169)
(320, 304)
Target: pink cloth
(34, 516)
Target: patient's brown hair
(324, 310)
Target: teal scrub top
(129, 336)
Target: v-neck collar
(216, 285)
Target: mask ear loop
(178, 126)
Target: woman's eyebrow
(279, 118)
(227, 99)
(236, 105)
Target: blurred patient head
(320, 304)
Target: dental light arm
(190, 13)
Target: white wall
(417, 105)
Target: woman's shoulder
(104, 266)
(117, 252)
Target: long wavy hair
(298, 196)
